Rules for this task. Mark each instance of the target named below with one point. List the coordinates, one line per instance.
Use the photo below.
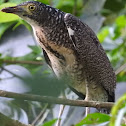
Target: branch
(6, 121)
(11, 72)
(50, 2)
(75, 7)
(120, 69)
(21, 62)
(40, 114)
(53, 100)
(40, 63)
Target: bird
(71, 49)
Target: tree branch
(11, 72)
(120, 69)
(40, 63)
(6, 121)
(53, 100)
(40, 114)
(21, 62)
(75, 7)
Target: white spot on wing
(70, 31)
(56, 10)
(50, 9)
(66, 15)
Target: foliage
(95, 118)
(118, 112)
(112, 35)
(4, 27)
(116, 118)
(7, 17)
(50, 123)
(34, 55)
(113, 38)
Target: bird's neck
(54, 28)
(53, 19)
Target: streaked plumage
(71, 49)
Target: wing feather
(91, 53)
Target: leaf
(17, 1)
(26, 25)
(4, 27)
(50, 123)
(20, 22)
(103, 34)
(120, 25)
(44, 1)
(1, 2)
(6, 17)
(35, 49)
(123, 125)
(121, 103)
(121, 21)
(94, 118)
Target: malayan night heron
(71, 49)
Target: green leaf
(120, 25)
(103, 34)
(4, 27)
(50, 123)
(32, 56)
(35, 49)
(121, 21)
(123, 125)
(22, 22)
(5, 17)
(17, 1)
(121, 103)
(1, 2)
(44, 1)
(94, 118)
(26, 25)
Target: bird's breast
(63, 61)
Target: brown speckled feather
(71, 49)
(91, 55)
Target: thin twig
(75, 7)
(44, 116)
(40, 114)
(40, 63)
(60, 115)
(53, 100)
(11, 73)
(21, 62)
(1, 70)
(120, 69)
(6, 78)
(50, 2)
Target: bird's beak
(15, 9)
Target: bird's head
(33, 12)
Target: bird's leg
(87, 111)
(60, 111)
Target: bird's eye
(32, 7)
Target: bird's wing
(47, 58)
(90, 53)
